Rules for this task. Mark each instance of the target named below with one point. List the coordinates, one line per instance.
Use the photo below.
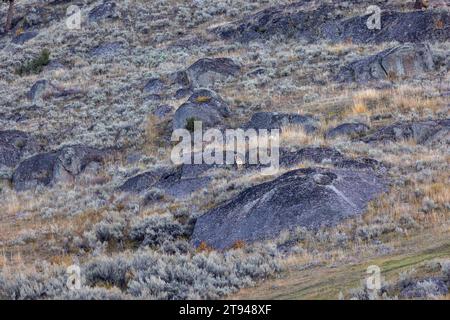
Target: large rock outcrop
(406, 61)
(423, 132)
(49, 168)
(313, 22)
(310, 198)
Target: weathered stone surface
(56, 166)
(423, 132)
(301, 20)
(347, 129)
(107, 49)
(103, 11)
(203, 105)
(403, 27)
(24, 37)
(13, 145)
(155, 86)
(206, 72)
(141, 182)
(275, 120)
(308, 198)
(177, 182)
(404, 61)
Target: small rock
(107, 49)
(347, 129)
(37, 90)
(24, 37)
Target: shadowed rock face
(405, 61)
(185, 179)
(308, 198)
(347, 129)
(206, 72)
(203, 105)
(177, 182)
(13, 145)
(325, 22)
(275, 120)
(423, 132)
(103, 11)
(57, 166)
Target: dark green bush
(36, 65)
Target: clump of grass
(36, 65)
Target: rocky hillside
(86, 176)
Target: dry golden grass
(294, 135)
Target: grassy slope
(326, 282)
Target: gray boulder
(141, 182)
(203, 105)
(24, 37)
(177, 182)
(404, 61)
(347, 129)
(49, 168)
(106, 10)
(13, 145)
(37, 90)
(107, 49)
(423, 132)
(275, 120)
(309, 198)
(206, 72)
(154, 86)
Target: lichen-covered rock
(206, 72)
(203, 105)
(404, 61)
(309, 198)
(347, 129)
(275, 120)
(423, 132)
(49, 168)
